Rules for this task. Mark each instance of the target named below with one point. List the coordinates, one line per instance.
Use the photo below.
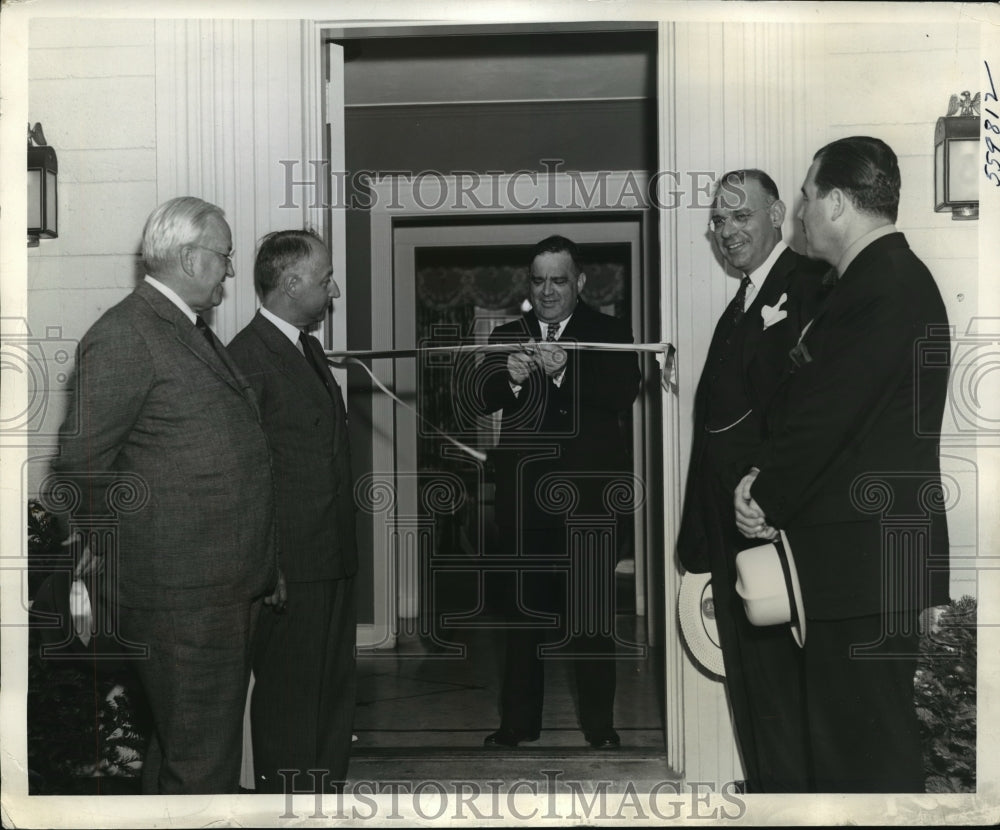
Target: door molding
(731, 95)
(206, 109)
(501, 196)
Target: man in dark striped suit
(304, 665)
(749, 353)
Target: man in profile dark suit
(165, 414)
(850, 472)
(562, 412)
(302, 705)
(748, 354)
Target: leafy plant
(45, 550)
(945, 696)
(84, 734)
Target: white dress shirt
(560, 327)
(286, 328)
(174, 297)
(759, 274)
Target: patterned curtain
(460, 305)
(440, 288)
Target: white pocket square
(772, 314)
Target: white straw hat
(766, 581)
(696, 613)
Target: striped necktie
(740, 300)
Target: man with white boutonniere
(778, 293)
(850, 476)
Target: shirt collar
(174, 297)
(759, 274)
(286, 328)
(859, 244)
(560, 327)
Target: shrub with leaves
(81, 727)
(62, 726)
(86, 719)
(45, 550)
(945, 694)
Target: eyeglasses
(739, 219)
(228, 257)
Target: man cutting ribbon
(561, 429)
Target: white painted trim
(383, 450)
(335, 216)
(233, 99)
(370, 636)
(731, 95)
(673, 655)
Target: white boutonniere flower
(772, 314)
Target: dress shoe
(507, 738)
(605, 739)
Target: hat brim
(696, 614)
(768, 583)
(799, 623)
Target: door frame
(552, 197)
(406, 241)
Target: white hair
(173, 224)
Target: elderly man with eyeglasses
(164, 444)
(777, 295)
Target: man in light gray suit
(164, 410)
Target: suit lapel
(845, 286)
(775, 284)
(577, 323)
(831, 299)
(532, 326)
(190, 338)
(301, 376)
(331, 394)
(219, 353)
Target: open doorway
(449, 107)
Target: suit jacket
(742, 370)
(170, 441)
(575, 429)
(846, 469)
(310, 452)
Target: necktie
(740, 300)
(202, 326)
(318, 367)
(550, 334)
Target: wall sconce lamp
(956, 158)
(43, 203)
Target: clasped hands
(279, 597)
(750, 518)
(549, 357)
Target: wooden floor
(423, 712)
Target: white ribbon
(664, 356)
(572, 345)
